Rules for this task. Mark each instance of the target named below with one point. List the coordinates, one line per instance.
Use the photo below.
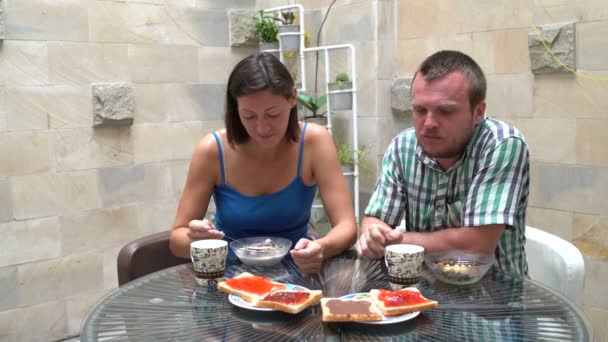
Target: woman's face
(265, 116)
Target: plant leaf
(321, 101)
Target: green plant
(266, 28)
(341, 79)
(311, 103)
(346, 154)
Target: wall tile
(549, 140)
(556, 222)
(207, 27)
(184, 137)
(568, 187)
(29, 241)
(83, 63)
(98, 229)
(56, 193)
(598, 318)
(3, 114)
(24, 63)
(488, 15)
(123, 185)
(36, 107)
(591, 142)
(213, 4)
(216, 63)
(35, 153)
(154, 217)
(511, 51)
(571, 96)
(510, 95)
(386, 20)
(9, 287)
(46, 20)
(110, 274)
(547, 12)
(6, 200)
(71, 275)
(179, 173)
(150, 143)
(591, 235)
(50, 318)
(87, 148)
(590, 40)
(350, 22)
(163, 64)
(596, 276)
(387, 55)
(151, 103)
(190, 102)
(418, 18)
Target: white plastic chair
(556, 263)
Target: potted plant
(289, 42)
(341, 100)
(266, 29)
(314, 106)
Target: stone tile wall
(77, 194)
(72, 195)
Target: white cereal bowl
(261, 250)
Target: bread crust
(248, 296)
(400, 310)
(314, 297)
(327, 316)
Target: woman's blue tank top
(284, 213)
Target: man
(460, 178)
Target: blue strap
(219, 148)
(301, 147)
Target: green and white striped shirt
(487, 185)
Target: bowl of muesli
(261, 250)
(459, 267)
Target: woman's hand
(203, 229)
(308, 256)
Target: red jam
(289, 298)
(254, 284)
(401, 298)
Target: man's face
(443, 118)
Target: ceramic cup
(403, 263)
(209, 260)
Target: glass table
(169, 306)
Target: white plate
(386, 319)
(240, 302)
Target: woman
(263, 170)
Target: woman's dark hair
(261, 71)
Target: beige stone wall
(71, 195)
(564, 117)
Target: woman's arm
(202, 177)
(337, 201)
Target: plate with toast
(379, 306)
(258, 293)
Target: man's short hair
(443, 62)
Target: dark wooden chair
(145, 255)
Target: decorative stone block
(113, 104)
(6, 200)
(560, 39)
(242, 28)
(401, 98)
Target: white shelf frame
(353, 78)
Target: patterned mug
(403, 263)
(209, 260)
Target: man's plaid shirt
(487, 185)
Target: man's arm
(482, 239)
(376, 235)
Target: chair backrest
(555, 263)
(145, 255)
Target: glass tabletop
(169, 306)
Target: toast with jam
(400, 302)
(291, 301)
(249, 287)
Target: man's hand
(308, 256)
(199, 230)
(375, 238)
